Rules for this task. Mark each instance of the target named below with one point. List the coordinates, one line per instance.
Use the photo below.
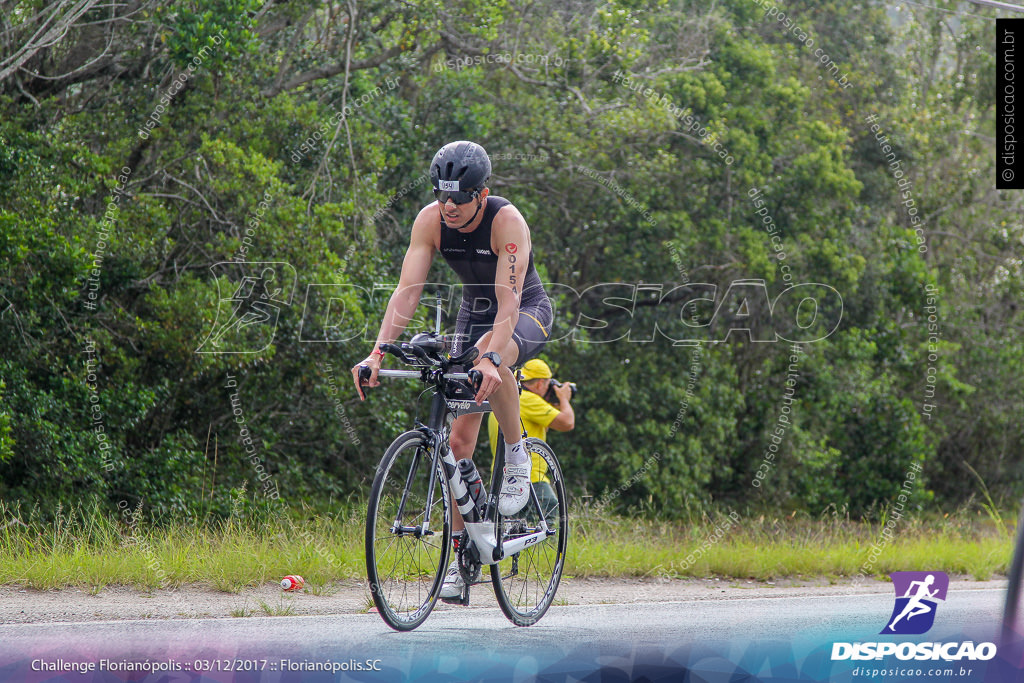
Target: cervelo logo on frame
(917, 598)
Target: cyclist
(505, 311)
(537, 416)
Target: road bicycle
(409, 521)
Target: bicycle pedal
(461, 600)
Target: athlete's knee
(510, 354)
(484, 340)
(462, 445)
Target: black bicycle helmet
(460, 166)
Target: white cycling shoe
(515, 489)
(453, 582)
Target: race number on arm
(510, 240)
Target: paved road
(777, 634)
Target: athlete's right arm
(565, 421)
(406, 296)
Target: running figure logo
(917, 596)
(247, 319)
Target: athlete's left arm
(510, 239)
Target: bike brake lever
(364, 376)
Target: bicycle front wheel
(408, 532)
(525, 583)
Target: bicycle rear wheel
(405, 563)
(525, 583)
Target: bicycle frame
(483, 533)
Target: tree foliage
(145, 143)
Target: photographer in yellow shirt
(537, 415)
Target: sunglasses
(456, 196)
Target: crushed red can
(292, 582)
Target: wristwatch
(493, 357)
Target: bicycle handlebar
(396, 351)
(419, 353)
(475, 377)
(411, 374)
(467, 356)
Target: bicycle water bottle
(474, 483)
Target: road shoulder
(113, 603)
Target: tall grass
(85, 547)
(768, 547)
(88, 548)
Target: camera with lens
(550, 396)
